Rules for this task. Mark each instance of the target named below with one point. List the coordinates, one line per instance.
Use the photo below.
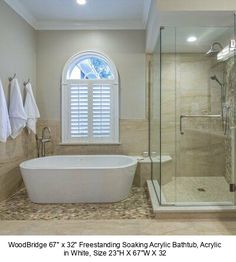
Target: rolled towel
(5, 127)
(31, 109)
(17, 113)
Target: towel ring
(25, 83)
(11, 78)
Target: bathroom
(159, 80)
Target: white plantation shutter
(102, 111)
(79, 111)
(92, 113)
(90, 107)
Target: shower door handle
(194, 116)
(180, 125)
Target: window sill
(89, 144)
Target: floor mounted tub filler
(79, 179)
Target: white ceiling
(96, 14)
(128, 14)
(174, 39)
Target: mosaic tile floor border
(19, 207)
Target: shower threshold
(181, 207)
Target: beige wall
(17, 47)
(193, 5)
(125, 48)
(17, 55)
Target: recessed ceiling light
(81, 2)
(192, 39)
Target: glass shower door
(203, 116)
(195, 104)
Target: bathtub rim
(134, 161)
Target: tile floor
(19, 207)
(198, 189)
(131, 216)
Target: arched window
(90, 100)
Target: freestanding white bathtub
(78, 179)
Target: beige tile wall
(12, 154)
(229, 78)
(133, 139)
(187, 89)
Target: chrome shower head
(217, 80)
(213, 77)
(216, 47)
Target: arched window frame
(66, 137)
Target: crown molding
(146, 10)
(22, 11)
(92, 25)
(88, 25)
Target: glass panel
(76, 73)
(90, 67)
(192, 132)
(168, 116)
(155, 113)
(203, 107)
(162, 125)
(193, 116)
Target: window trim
(65, 140)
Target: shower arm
(194, 116)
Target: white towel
(5, 127)
(31, 109)
(17, 113)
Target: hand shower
(224, 108)
(222, 95)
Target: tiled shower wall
(229, 78)
(187, 89)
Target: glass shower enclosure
(192, 116)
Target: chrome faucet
(41, 141)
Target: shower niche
(192, 118)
